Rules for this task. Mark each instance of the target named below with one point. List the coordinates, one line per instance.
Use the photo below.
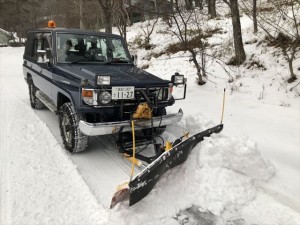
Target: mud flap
(144, 182)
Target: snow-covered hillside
(260, 104)
(248, 174)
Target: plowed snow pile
(220, 177)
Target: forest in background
(278, 19)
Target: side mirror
(178, 82)
(42, 56)
(134, 59)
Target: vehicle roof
(73, 31)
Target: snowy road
(98, 164)
(42, 184)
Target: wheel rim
(66, 123)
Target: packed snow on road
(247, 174)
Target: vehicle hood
(120, 75)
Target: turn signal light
(87, 93)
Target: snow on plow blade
(144, 182)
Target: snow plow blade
(144, 182)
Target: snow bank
(42, 185)
(219, 177)
(265, 210)
(239, 154)
(219, 173)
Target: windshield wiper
(117, 61)
(79, 61)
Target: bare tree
(250, 8)
(19, 16)
(121, 18)
(281, 25)
(254, 15)
(107, 7)
(184, 21)
(81, 14)
(211, 4)
(240, 55)
(66, 15)
(148, 30)
(288, 38)
(199, 3)
(188, 4)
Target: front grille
(122, 109)
(154, 94)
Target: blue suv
(90, 81)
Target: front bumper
(94, 129)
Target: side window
(42, 47)
(37, 43)
(118, 49)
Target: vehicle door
(43, 62)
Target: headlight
(105, 97)
(177, 79)
(103, 80)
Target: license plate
(122, 93)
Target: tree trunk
(208, 6)
(108, 21)
(81, 15)
(198, 67)
(240, 55)
(213, 13)
(189, 4)
(290, 60)
(212, 8)
(293, 76)
(199, 3)
(203, 63)
(172, 5)
(107, 9)
(254, 16)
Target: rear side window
(42, 41)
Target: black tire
(73, 139)
(157, 130)
(34, 101)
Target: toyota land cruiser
(90, 81)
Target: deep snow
(248, 174)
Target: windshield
(76, 48)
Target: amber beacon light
(51, 24)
